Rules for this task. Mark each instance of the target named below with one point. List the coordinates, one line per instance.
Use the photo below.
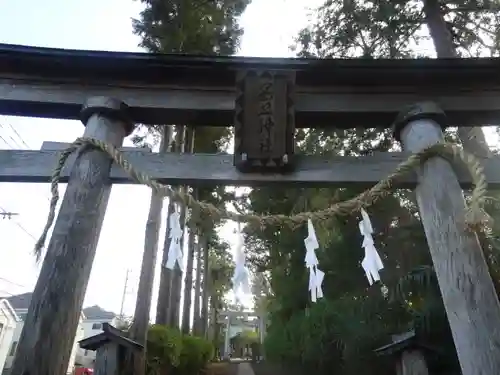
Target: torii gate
(228, 316)
(265, 99)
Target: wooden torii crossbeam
(196, 90)
(266, 100)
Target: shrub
(196, 352)
(163, 349)
(170, 352)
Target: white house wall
(8, 323)
(17, 334)
(78, 336)
(13, 344)
(86, 358)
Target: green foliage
(195, 354)
(245, 338)
(163, 349)
(332, 336)
(395, 29)
(339, 333)
(171, 352)
(205, 27)
(186, 26)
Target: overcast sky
(270, 26)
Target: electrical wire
(5, 141)
(9, 294)
(20, 225)
(19, 136)
(16, 143)
(11, 282)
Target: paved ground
(244, 368)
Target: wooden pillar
(468, 294)
(412, 362)
(226, 337)
(262, 334)
(49, 329)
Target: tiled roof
(20, 301)
(96, 312)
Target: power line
(16, 143)
(11, 282)
(19, 225)
(11, 138)
(16, 133)
(5, 141)
(8, 215)
(19, 136)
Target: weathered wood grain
(468, 293)
(264, 120)
(332, 107)
(199, 169)
(49, 328)
(106, 361)
(127, 67)
(412, 362)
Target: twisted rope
(475, 216)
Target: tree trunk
(139, 328)
(205, 290)
(188, 283)
(216, 326)
(210, 330)
(197, 289)
(163, 305)
(176, 279)
(472, 138)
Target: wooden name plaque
(264, 121)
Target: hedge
(169, 352)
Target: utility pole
(124, 292)
(8, 215)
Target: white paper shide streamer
(371, 263)
(241, 283)
(175, 254)
(316, 276)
